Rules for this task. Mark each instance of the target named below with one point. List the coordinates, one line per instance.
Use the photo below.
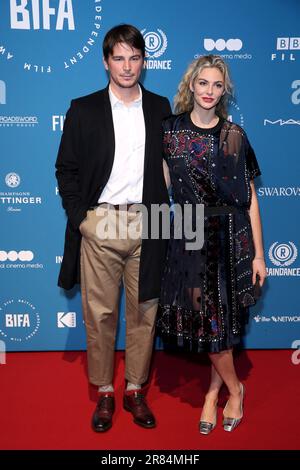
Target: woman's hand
(259, 269)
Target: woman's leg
(223, 363)
(211, 398)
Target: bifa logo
(2, 352)
(235, 114)
(35, 14)
(156, 43)
(295, 96)
(51, 24)
(66, 319)
(19, 320)
(2, 92)
(283, 255)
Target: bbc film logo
(287, 47)
(19, 321)
(62, 21)
(156, 43)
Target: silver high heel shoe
(205, 427)
(229, 424)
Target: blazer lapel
(148, 126)
(108, 123)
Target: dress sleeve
(251, 161)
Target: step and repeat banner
(50, 52)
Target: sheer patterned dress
(206, 292)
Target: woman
(206, 293)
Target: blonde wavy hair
(184, 99)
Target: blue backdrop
(50, 52)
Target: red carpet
(47, 404)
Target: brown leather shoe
(135, 402)
(102, 417)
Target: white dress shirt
(125, 184)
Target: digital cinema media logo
(48, 22)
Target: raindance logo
(14, 200)
(19, 320)
(18, 121)
(46, 22)
(286, 44)
(283, 255)
(235, 113)
(156, 44)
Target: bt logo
(25, 14)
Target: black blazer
(83, 166)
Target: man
(110, 157)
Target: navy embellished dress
(206, 292)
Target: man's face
(125, 65)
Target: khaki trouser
(105, 261)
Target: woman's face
(208, 88)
